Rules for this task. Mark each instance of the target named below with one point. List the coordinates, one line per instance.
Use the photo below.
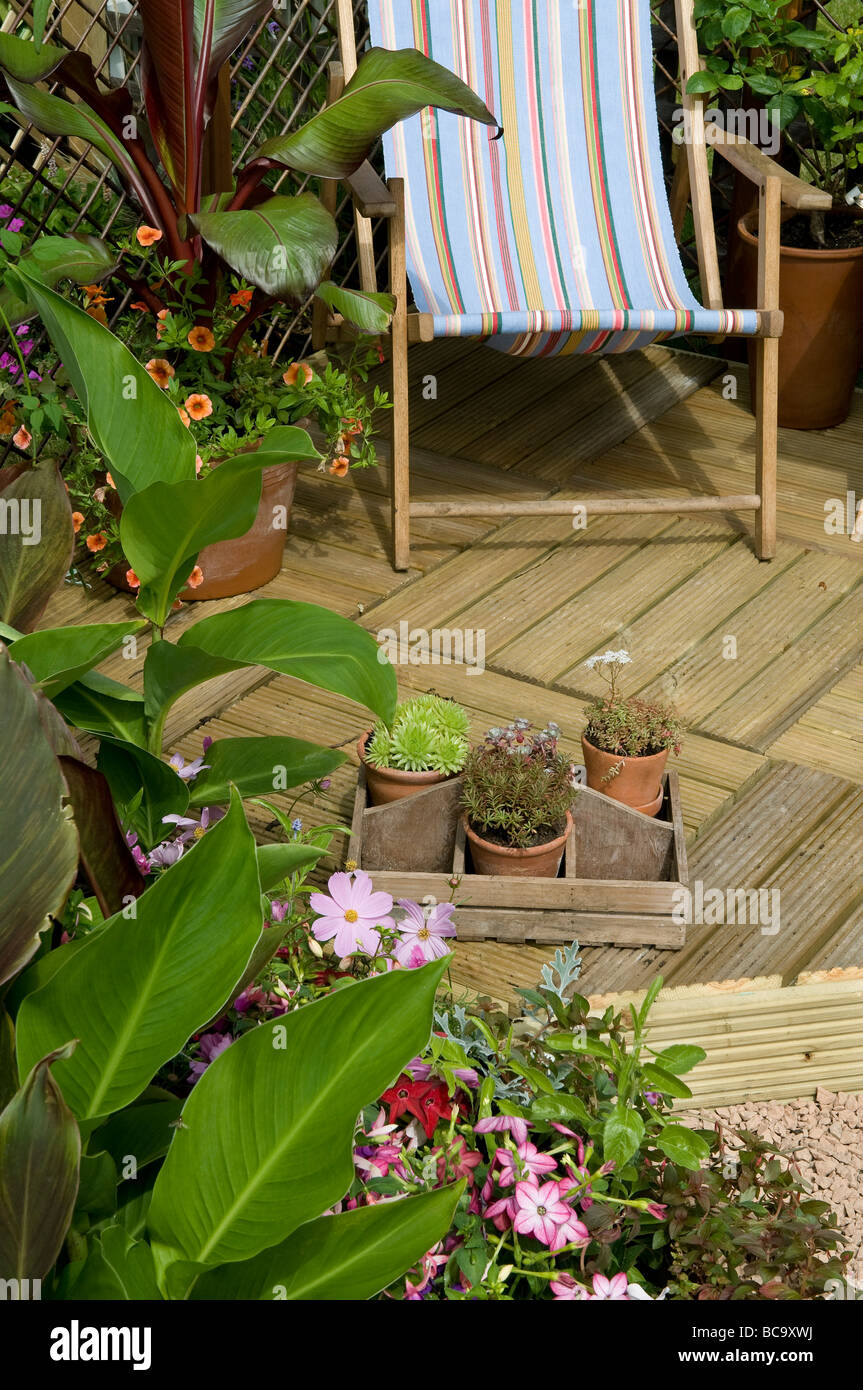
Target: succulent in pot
(627, 741)
(425, 744)
(518, 789)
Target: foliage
(809, 78)
(427, 734)
(517, 785)
(623, 724)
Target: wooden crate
(616, 886)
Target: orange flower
(163, 315)
(242, 298)
(352, 428)
(77, 521)
(140, 306)
(97, 542)
(199, 406)
(148, 236)
(196, 578)
(23, 438)
(199, 463)
(97, 312)
(184, 416)
(201, 339)
(7, 419)
(160, 370)
(109, 480)
(132, 579)
(340, 466)
(292, 374)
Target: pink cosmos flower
(351, 912)
(541, 1213)
(565, 1288)
(515, 1125)
(421, 935)
(186, 770)
(615, 1289)
(194, 829)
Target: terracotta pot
(238, 566)
(638, 783)
(540, 861)
(387, 784)
(821, 348)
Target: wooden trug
(617, 885)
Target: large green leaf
(139, 990)
(40, 1150)
(268, 1131)
(39, 844)
(142, 1131)
(344, 1258)
(37, 544)
(84, 259)
(25, 61)
(277, 862)
(301, 640)
(130, 419)
(370, 312)
(99, 705)
(256, 765)
(622, 1134)
(130, 770)
(283, 246)
(116, 1269)
(57, 656)
(387, 87)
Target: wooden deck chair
(558, 237)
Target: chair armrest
(759, 167)
(370, 193)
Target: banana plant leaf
(257, 765)
(131, 771)
(371, 312)
(39, 845)
(26, 61)
(271, 1122)
(283, 246)
(388, 86)
(83, 259)
(57, 656)
(105, 856)
(139, 990)
(98, 705)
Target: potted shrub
(627, 741)
(425, 744)
(517, 792)
(819, 108)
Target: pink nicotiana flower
(352, 914)
(567, 1289)
(616, 1288)
(541, 1213)
(422, 936)
(515, 1125)
(422, 1071)
(537, 1164)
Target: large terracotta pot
(387, 784)
(539, 861)
(246, 563)
(636, 782)
(821, 349)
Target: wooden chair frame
(373, 198)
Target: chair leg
(766, 444)
(400, 451)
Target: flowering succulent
(517, 785)
(428, 734)
(623, 724)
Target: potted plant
(818, 105)
(426, 743)
(627, 741)
(517, 792)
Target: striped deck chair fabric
(556, 237)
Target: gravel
(824, 1138)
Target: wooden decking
(765, 662)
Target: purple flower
(8, 362)
(279, 911)
(296, 825)
(138, 854)
(211, 1044)
(186, 770)
(26, 347)
(653, 1097)
(353, 914)
(34, 376)
(515, 1125)
(324, 784)
(6, 209)
(165, 854)
(421, 1071)
(193, 829)
(421, 935)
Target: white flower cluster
(608, 659)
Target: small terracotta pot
(638, 783)
(387, 784)
(249, 561)
(821, 348)
(539, 861)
